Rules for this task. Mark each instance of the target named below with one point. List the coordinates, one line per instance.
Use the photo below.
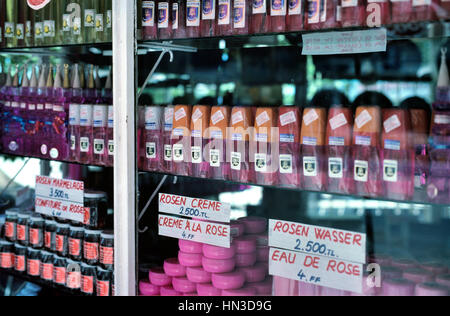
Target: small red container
(178, 19)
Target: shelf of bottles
(41, 23)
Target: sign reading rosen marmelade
(37, 4)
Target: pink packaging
(443, 280)
(148, 289)
(169, 291)
(208, 290)
(190, 259)
(431, 289)
(254, 225)
(190, 246)
(245, 245)
(245, 259)
(198, 275)
(262, 254)
(246, 291)
(183, 285)
(237, 229)
(228, 281)
(254, 274)
(404, 264)
(173, 268)
(284, 287)
(219, 253)
(158, 277)
(264, 288)
(398, 287)
(218, 266)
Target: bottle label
(59, 243)
(239, 14)
(309, 141)
(100, 116)
(237, 118)
(278, 8)
(21, 232)
(74, 247)
(323, 11)
(34, 267)
(74, 280)
(109, 19)
(288, 118)
(310, 166)
(87, 284)
(236, 161)
(336, 141)
(175, 14)
(193, 13)
(54, 153)
(287, 138)
(77, 26)
(361, 170)
(28, 29)
(89, 18)
(163, 15)
(38, 30)
(390, 170)
(9, 230)
(111, 147)
(224, 12)
(60, 275)
(107, 255)
(181, 113)
(73, 142)
(363, 119)
(259, 6)
(338, 121)
(91, 251)
(74, 114)
(67, 23)
(19, 263)
(335, 168)
(47, 271)
(391, 124)
(208, 10)
(99, 146)
(214, 158)
(295, 7)
(31, 107)
(286, 164)
(314, 11)
(363, 140)
(35, 236)
(196, 154)
(84, 144)
(148, 13)
(86, 115)
(167, 152)
(260, 162)
(217, 117)
(178, 155)
(9, 30)
(262, 118)
(392, 144)
(103, 288)
(7, 260)
(150, 150)
(110, 116)
(99, 23)
(20, 31)
(44, 149)
(13, 146)
(49, 28)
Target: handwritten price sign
(350, 42)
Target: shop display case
(259, 148)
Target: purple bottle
(6, 108)
(74, 115)
(30, 118)
(152, 138)
(12, 142)
(24, 93)
(108, 99)
(86, 121)
(39, 113)
(100, 121)
(45, 140)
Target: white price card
(315, 240)
(198, 231)
(194, 208)
(316, 270)
(350, 42)
(61, 198)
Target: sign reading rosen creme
(316, 270)
(315, 240)
(61, 198)
(192, 230)
(194, 208)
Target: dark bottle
(2, 21)
(10, 23)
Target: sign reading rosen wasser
(198, 229)
(317, 255)
(61, 198)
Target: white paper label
(181, 113)
(20, 31)
(84, 144)
(197, 115)
(214, 158)
(363, 118)
(224, 12)
(237, 118)
(335, 168)
(99, 23)
(310, 117)
(314, 10)
(363, 140)
(100, 116)
(74, 114)
(89, 18)
(148, 13)
(236, 161)
(262, 118)
(260, 162)
(150, 150)
(390, 170)
(338, 121)
(278, 7)
(193, 13)
(175, 16)
(349, 3)
(99, 146)
(286, 164)
(194, 208)
(86, 115)
(361, 170)
(240, 7)
(310, 166)
(196, 153)
(217, 117)
(167, 153)
(163, 15)
(418, 3)
(442, 119)
(111, 147)
(391, 124)
(178, 152)
(259, 6)
(288, 118)
(208, 9)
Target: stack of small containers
(205, 270)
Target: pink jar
(246, 291)
(245, 259)
(190, 259)
(264, 288)
(190, 246)
(245, 244)
(148, 289)
(431, 289)
(158, 277)
(237, 229)
(173, 268)
(418, 276)
(228, 281)
(219, 253)
(208, 290)
(218, 266)
(198, 275)
(254, 225)
(254, 274)
(398, 287)
(183, 285)
(169, 291)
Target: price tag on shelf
(198, 231)
(315, 240)
(349, 42)
(316, 270)
(194, 208)
(61, 198)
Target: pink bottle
(278, 12)
(100, 123)
(40, 109)
(225, 18)
(46, 138)
(201, 116)
(24, 93)
(31, 126)
(181, 140)
(216, 149)
(289, 125)
(152, 136)
(6, 110)
(149, 23)
(12, 142)
(241, 16)
(110, 137)
(86, 134)
(74, 115)
(166, 138)
(179, 19)
(260, 21)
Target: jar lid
(107, 234)
(87, 266)
(92, 232)
(12, 212)
(33, 250)
(46, 253)
(37, 218)
(95, 195)
(19, 246)
(59, 258)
